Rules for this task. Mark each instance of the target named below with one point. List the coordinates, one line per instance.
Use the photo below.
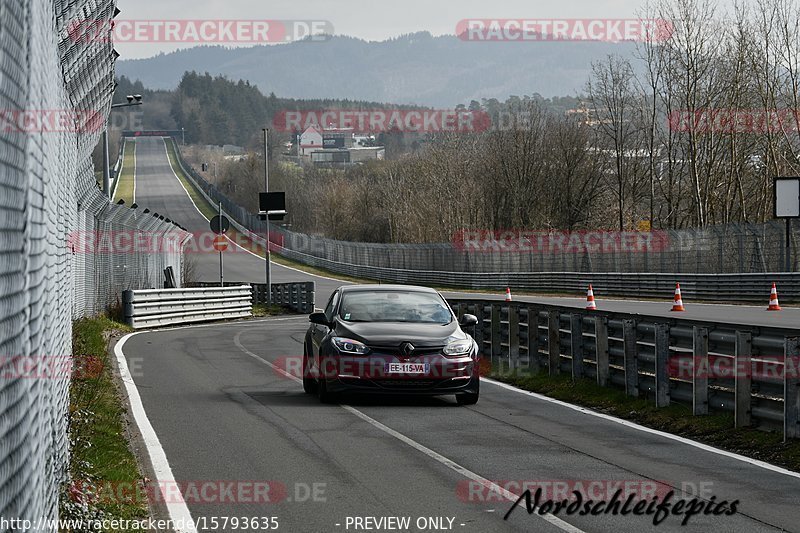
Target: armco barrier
(752, 371)
(149, 308)
(297, 296)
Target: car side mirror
(468, 321)
(318, 318)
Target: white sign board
(787, 197)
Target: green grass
(715, 429)
(261, 310)
(100, 454)
(127, 179)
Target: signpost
(787, 205)
(220, 225)
(271, 206)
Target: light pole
(133, 99)
(266, 189)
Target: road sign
(220, 224)
(272, 205)
(787, 197)
(220, 243)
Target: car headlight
(461, 347)
(350, 346)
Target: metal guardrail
(752, 371)
(297, 296)
(699, 287)
(149, 308)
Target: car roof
(377, 287)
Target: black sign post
(787, 206)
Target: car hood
(393, 333)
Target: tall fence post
(533, 340)
(743, 369)
(513, 337)
(576, 344)
(700, 371)
(791, 389)
(630, 351)
(601, 349)
(662, 362)
(553, 343)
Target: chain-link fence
(55, 94)
(731, 248)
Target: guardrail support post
(576, 345)
(127, 306)
(743, 369)
(496, 340)
(553, 343)
(700, 371)
(791, 389)
(631, 362)
(662, 362)
(533, 340)
(601, 349)
(513, 337)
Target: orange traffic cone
(773, 300)
(508, 294)
(590, 298)
(677, 305)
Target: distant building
(310, 141)
(337, 146)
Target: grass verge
(127, 179)
(716, 429)
(100, 458)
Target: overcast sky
(367, 19)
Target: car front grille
(406, 383)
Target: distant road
(159, 189)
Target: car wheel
(470, 398)
(322, 392)
(309, 383)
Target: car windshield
(394, 306)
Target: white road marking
(508, 495)
(633, 425)
(176, 506)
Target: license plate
(407, 368)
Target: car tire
(470, 398)
(309, 383)
(322, 392)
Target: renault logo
(407, 349)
